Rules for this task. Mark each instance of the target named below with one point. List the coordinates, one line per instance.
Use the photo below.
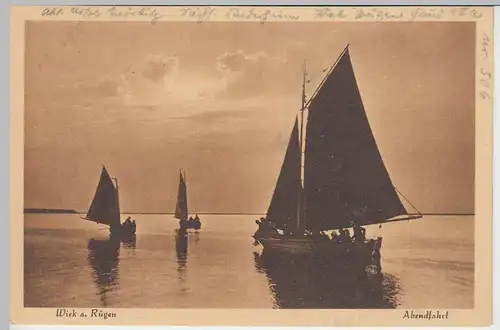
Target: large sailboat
(105, 207)
(181, 208)
(342, 181)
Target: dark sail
(283, 207)
(181, 209)
(104, 207)
(345, 178)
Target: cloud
(157, 67)
(162, 81)
(155, 90)
(236, 88)
(241, 61)
(251, 75)
(166, 81)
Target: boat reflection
(307, 284)
(181, 250)
(129, 242)
(104, 258)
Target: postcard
(260, 166)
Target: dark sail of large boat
(284, 203)
(345, 178)
(105, 207)
(181, 208)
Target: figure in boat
(181, 208)
(129, 223)
(332, 178)
(105, 207)
(193, 222)
(265, 229)
(359, 233)
(345, 236)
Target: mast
(301, 148)
(117, 197)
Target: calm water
(427, 263)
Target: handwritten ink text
(201, 14)
(436, 13)
(329, 13)
(485, 76)
(485, 42)
(53, 12)
(466, 12)
(135, 12)
(86, 11)
(260, 15)
(376, 14)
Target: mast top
(328, 73)
(304, 78)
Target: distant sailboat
(105, 207)
(344, 183)
(181, 208)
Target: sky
(219, 100)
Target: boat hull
(328, 250)
(124, 230)
(190, 224)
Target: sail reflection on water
(181, 251)
(104, 258)
(309, 284)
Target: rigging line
(326, 77)
(410, 217)
(420, 213)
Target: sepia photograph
(257, 160)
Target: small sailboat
(181, 208)
(342, 182)
(105, 207)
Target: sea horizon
(73, 211)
